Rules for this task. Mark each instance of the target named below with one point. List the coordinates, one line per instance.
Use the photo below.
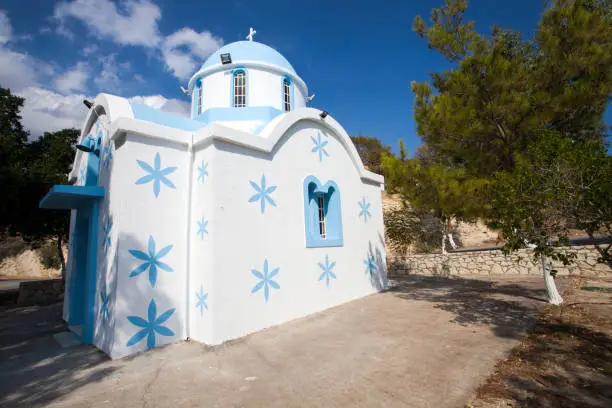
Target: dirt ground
(427, 342)
(565, 361)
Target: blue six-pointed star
(104, 305)
(107, 233)
(152, 261)
(108, 154)
(151, 326)
(370, 265)
(202, 172)
(319, 146)
(365, 209)
(201, 300)
(157, 175)
(265, 280)
(263, 193)
(81, 179)
(327, 271)
(202, 228)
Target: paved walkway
(428, 342)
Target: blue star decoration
(319, 146)
(370, 266)
(201, 300)
(202, 228)
(263, 193)
(151, 261)
(107, 154)
(327, 271)
(81, 180)
(365, 209)
(151, 326)
(107, 233)
(265, 280)
(104, 305)
(157, 175)
(202, 172)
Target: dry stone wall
(493, 262)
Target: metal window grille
(287, 95)
(239, 90)
(321, 203)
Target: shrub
(49, 257)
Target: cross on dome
(251, 34)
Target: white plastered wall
(244, 237)
(264, 88)
(138, 215)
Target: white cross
(251, 34)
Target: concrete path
(428, 342)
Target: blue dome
(249, 51)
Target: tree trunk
(451, 240)
(60, 253)
(549, 281)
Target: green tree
(445, 192)
(370, 150)
(482, 112)
(27, 172)
(13, 139)
(507, 104)
(48, 162)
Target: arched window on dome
(239, 89)
(287, 94)
(200, 97)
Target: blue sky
(359, 57)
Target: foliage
(13, 138)
(371, 150)
(27, 172)
(406, 227)
(49, 257)
(481, 113)
(436, 193)
(513, 131)
(558, 184)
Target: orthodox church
(254, 211)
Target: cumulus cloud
(74, 79)
(108, 76)
(6, 30)
(159, 102)
(134, 22)
(49, 111)
(184, 49)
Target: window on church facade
(323, 219)
(286, 94)
(239, 89)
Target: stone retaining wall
(493, 262)
(40, 292)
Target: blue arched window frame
(284, 94)
(329, 193)
(235, 73)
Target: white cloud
(90, 49)
(48, 111)
(135, 22)
(159, 102)
(6, 30)
(183, 50)
(73, 79)
(108, 76)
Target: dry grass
(565, 361)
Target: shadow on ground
(508, 308)
(34, 368)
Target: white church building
(254, 211)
